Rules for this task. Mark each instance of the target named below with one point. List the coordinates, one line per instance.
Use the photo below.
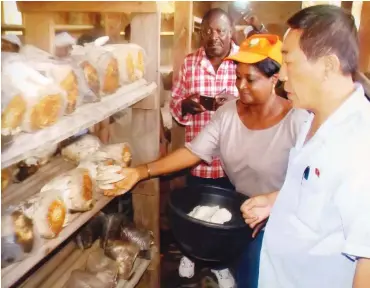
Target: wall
(201, 7)
(273, 14)
(167, 25)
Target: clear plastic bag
(107, 66)
(112, 228)
(124, 253)
(106, 269)
(76, 188)
(92, 78)
(8, 57)
(90, 232)
(60, 71)
(13, 108)
(11, 252)
(112, 154)
(49, 214)
(143, 238)
(81, 148)
(91, 166)
(63, 74)
(131, 61)
(120, 153)
(88, 81)
(84, 279)
(42, 156)
(33, 53)
(6, 178)
(87, 74)
(17, 236)
(45, 100)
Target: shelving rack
(144, 122)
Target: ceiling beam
(87, 6)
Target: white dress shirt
(320, 223)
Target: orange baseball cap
(257, 48)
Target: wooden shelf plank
(25, 144)
(12, 27)
(13, 273)
(59, 27)
(167, 33)
(18, 192)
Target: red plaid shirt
(197, 76)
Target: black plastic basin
(207, 241)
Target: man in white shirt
(318, 233)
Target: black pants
(223, 182)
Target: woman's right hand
(133, 176)
(257, 209)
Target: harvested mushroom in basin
(211, 214)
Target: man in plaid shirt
(205, 73)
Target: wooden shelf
(25, 144)
(73, 27)
(197, 21)
(168, 33)
(165, 69)
(164, 33)
(71, 258)
(16, 193)
(144, 130)
(12, 27)
(140, 266)
(58, 27)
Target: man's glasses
(209, 32)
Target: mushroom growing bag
(45, 100)
(131, 61)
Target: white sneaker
(186, 268)
(225, 279)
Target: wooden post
(145, 137)
(39, 30)
(364, 33)
(113, 26)
(183, 26)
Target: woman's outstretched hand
(132, 177)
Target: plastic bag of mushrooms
(120, 241)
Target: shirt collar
(355, 103)
(354, 106)
(201, 53)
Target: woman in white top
(252, 135)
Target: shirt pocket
(311, 200)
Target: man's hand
(253, 21)
(257, 209)
(189, 106)
(221, 99)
